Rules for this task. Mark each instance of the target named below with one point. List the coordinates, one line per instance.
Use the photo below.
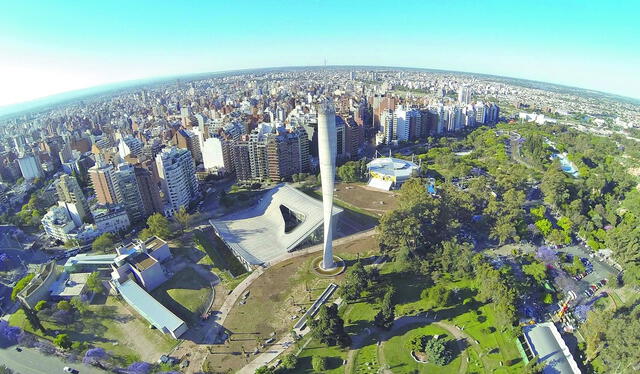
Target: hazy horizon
(52, 48)
(77, 94)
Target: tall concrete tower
(327, 156)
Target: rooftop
(545, 341)
(69, 285)
(156, 313)
(154, 243)
(142, 261)
(395, 167)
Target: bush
(20, 285)
(319, 363)
(63, 341)
(40, 305)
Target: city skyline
(64, 47)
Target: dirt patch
(365, 197)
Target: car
(164, 359)
(19, 349)
(184, 364)
(67, 369)
(604, 281)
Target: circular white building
(387, 172)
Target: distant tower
(327, 156)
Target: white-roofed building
(388, 172)
(283, 219)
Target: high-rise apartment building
(149, 191)
(177, 173)
(464, 95)
(30, 167)
(127, 192)
(102, 182)
(216, 154)
(69, 191)
(187, 139)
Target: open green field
(399, 360)
(111, 326)
(186, 294)
(334, 356)
(495, 352)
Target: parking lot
(599, 270)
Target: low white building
(111, 218)
(59, 224)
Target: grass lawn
(366, 360)
(398, 358)
(334, 356)
(186, 294)
(362, 216)
(110, 326)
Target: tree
(565, 223)
(504, 229)
(544, 225)
(94, 283)
(539, 211)
(355, 282)
(289, 361)
(329, 327)
(159, 226)
(620, 352)
(40, 305)
(554, 186)
(386, 315)
(183, 218)
(438, 352)
(71, 243)
(455, 258)
(559, 237)
(5, 370)
(264, 369)
(537, 270)
(79, 305)
(63, 341)
(319, 364)
(104, 243)
(437, 295)
(64, 305)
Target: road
(30, 361)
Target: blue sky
(48, 47)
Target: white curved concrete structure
(327, 155)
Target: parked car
(67, 369)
